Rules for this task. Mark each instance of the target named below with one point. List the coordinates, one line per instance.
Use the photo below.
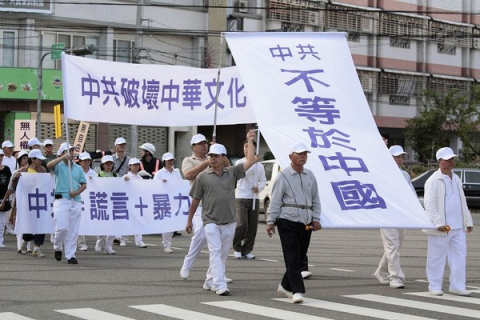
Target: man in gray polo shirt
(215, 187)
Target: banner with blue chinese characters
(151, 95)
(303, 87)
(111, 206)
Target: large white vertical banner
(304, 88)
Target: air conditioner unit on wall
(476, 43)
(242, 6)
(313, 18)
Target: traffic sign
(57, 49)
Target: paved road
(145, 284)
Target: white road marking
(418, 305)
(449, 297)
(361, 311)
(271, 313)
(12, 316)
(92, 314)
(177, 313)
(344, 270)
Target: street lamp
(78, 52)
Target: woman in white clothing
(168, 172)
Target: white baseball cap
(7, 144)
(217, 148)
(107, 158)
(120, 140)
(22, 153)
(36, 154)
(63, 147)
(133, 161)
(299, 148)
(445, 153)
(84, 156)
(168, 156)
(47, 141)
(396, 150)
(148, 147)
(198, 138)
(34, 142)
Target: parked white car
(271, 170)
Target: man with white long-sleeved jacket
(446, 206)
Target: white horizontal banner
(304, 88)
(111, 206)
(151, 95)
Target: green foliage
(442, 117)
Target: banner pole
(214, 135)
(256, 172)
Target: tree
(442, 117)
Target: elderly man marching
(215, 187)
(389, 270)
(295, 209)
(67, 206)
(446, 206)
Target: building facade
(399, 48)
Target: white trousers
(67, 214)
(389, 265)
(452, 247)
(3, 222)
(219, 240)
(106, 242)
(197, 242)
(167, 239)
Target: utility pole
(136, 59)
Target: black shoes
(73, 261)
(58, 255)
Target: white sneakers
(281, 290)
(297, 298)
(223, 292)
(123, 243)
(396, 283)
(381, 279)
(184, 273)
(460, 292)
(83, 247)
(436, 292)
(237, 255)
(306, 274)
(141, 244)
(109, 251)
(249, 256)
(167, 250)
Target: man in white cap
(67, 206)
(48, 152)
(295, 209)
(191, 168)
(446, 206)
(34, 143)
(120, 159)
(389, 270)
(215, 187)
(9, 160)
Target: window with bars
(350, 19)
(450, 34)
(400, 88)
(443, 86)
(300, 12)
(7, 48)
(123, 50)
(446, 49)
(402, 26)
(368, 80)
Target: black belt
(299, 206)
(58, 196)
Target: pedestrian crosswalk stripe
(177, 313)
(418, 305)
(449, 297)
(92, 314)
(271, 313)
(12, 316)
(361, 311)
